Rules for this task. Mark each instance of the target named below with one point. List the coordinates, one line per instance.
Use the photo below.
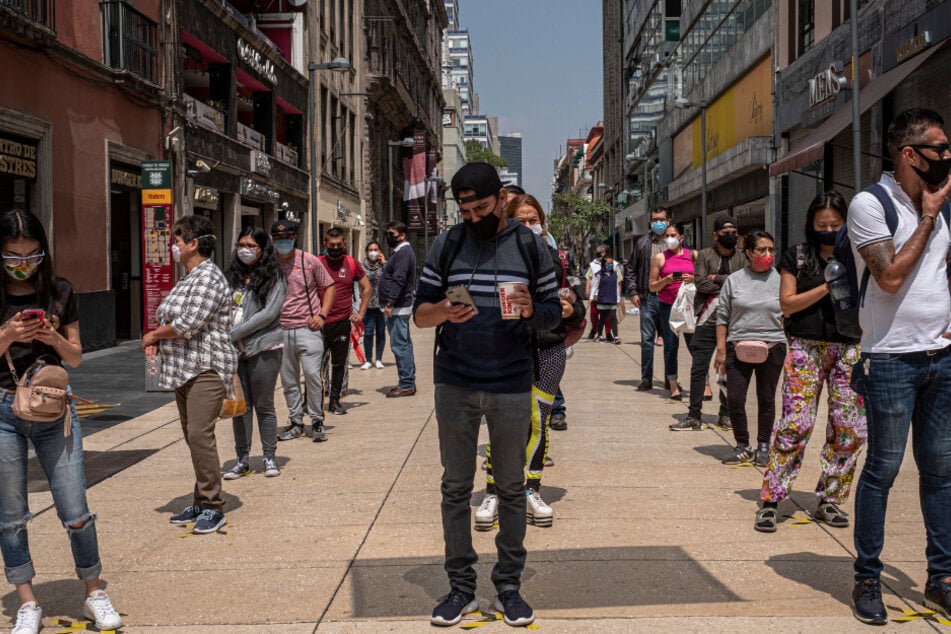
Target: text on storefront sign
(256, 60)
(17, 159)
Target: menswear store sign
(17, 158)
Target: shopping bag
(235, 405)
(621, 310)
(682, 318)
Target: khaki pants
(199, 402)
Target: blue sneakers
(516, 612)
(209, 521)
(189, 515)
(452, 607)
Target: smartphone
(678, 275)
(32, 313)
(460, 295)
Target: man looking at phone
(396, 289)
(484, 367)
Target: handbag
(682, 317)
(41, 395)
(235, 405)
(620, 310)
(752, 352)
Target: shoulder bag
(41, 395)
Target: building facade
(510, 149)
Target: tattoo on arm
(878, 257)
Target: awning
(812, 147)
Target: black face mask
(937, 169)
(727, 241)
(486, 227)
(392, 241)
(335, 254)
(826, 237)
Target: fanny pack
(41, 395)
(752, 352)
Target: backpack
(842, 251)
(526, 246)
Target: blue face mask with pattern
(284, 246)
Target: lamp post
(407, 142)
(339, 64)
(436, 180)
(680, 102)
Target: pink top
(303, 287)
(673, 263)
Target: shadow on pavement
(552, 580)
(99, 466)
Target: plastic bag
(682, 318)
(235, 405)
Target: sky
(538, 68)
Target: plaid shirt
(199, 309)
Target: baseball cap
(723, 221)
(479, 177)
(283, 226)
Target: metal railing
(39, 11)
(130, 40)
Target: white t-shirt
(914, 318)
(593, 269)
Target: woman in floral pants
(817, 354)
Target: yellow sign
(743, 111)
(156, 196)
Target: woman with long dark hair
(258, 290)
(374, 322)
(818, 354)
(40, 318)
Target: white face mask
(247, 255)
(673, 244)
(373, 255)
(536, 229)
(176, 253)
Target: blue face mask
(659, 227)
(283, 246)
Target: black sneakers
(189, 515)
(452, 607)
(688, 423)
(516, 612)
(319, 434)
(209, 521)
(741, 455)
(938, 595)
(645, 386)
(334, 407)
(761, 457)
(867, 603)
(558, 423)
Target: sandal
(679, 396)
(766, 519)
(832, 515)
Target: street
(651, 532)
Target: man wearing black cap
(484, 367)
(711, 269)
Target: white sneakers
(366, 366)
(99, 608)
(487, 515)
(29, 619)
(378, 365)
(538, 513)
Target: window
(130, 40)
(807, 24)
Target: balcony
(285, 154)
(250, 137)
(204, 115)
(130, 40)
(41, 12)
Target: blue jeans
(402, 347)
(61, 458)
(258, 376)
(671, 342)
(650, 322)
(459, 411)
(374, 325)
(901, 391)
(558, 409)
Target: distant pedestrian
(49, 330)
(344, 271)
(817, 354)
(714, 264)
(751, 340)
(484, 367)
(396, 293)
(607, 283)
(670, 269)
(905, 370)
(198, 361)
(591, 290)
(637, 275)
(302, 319)
(258, 291)
(374, 322)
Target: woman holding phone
(40, 318)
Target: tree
(575, 221)
(476, 153)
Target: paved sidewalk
(651, 532)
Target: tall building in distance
(510, 149)
(457, 67)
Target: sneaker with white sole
(452, 607)
(538, 513)
(209, 521)
(239, 469)
(366, 366)
(271, 469)
(487, 515)
(29, 619)
(187, 516)
(378, 365)
(516, 612)
(99, 608)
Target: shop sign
(826, 85)
(250, 187)
(912, 47)
(260, 163)
(156, 182)
(126, 179)
(257, 61)
(17, 158)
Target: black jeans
(738, 375)
(702, 347)
(337, 345)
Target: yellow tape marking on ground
(91, 409)
(800, 521)
(220, 531)
(77, 626)
(484, 620)
(925, 615)
(742, 465)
